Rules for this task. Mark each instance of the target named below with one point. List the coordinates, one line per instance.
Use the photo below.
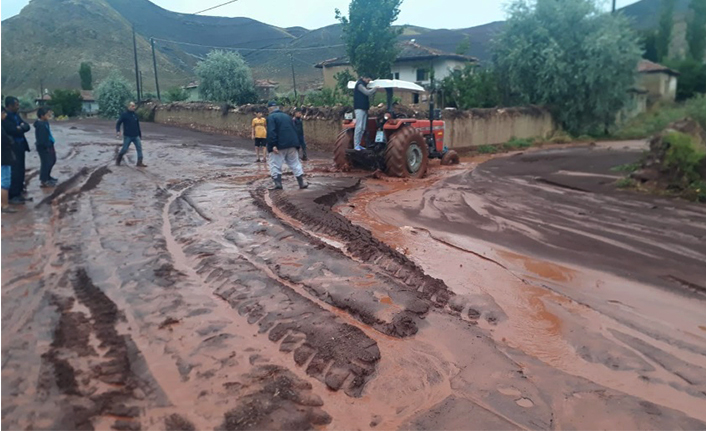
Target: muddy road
(187, 296)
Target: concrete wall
(463, 128)
(495, 126)
(661, 86)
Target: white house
(414, 63)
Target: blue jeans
(6, 175)
(361, 122)
(138, 146)
(47, 157)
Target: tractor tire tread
(344, 142)
(396, 153)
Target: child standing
(299, 127)
(259, 135)
(45, 147)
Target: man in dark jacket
(8, 158)
(361, 105)
(16, 127)
(283, 146)
(299, 127)
(131, 134)
(45, 147)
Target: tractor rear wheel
(340, 158)
(407, 154)
(450, 158)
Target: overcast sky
(314, 14)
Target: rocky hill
(49, 39)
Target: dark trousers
(47, 156)
(304, 150)
(17, 181)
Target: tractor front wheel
(407, 154)
(340, 158)
(450, 158)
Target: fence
(464, 129)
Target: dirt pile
(676, 160)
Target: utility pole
(154, 62)
(142, 86)
(614, 6)
(137, 69)
(294, 78)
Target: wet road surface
(188, 296)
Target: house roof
(409, 51)
(193, 84)
(87, 96)
(647, 66)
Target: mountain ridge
(100, 32)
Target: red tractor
(399, 146)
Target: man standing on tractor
(361, 104)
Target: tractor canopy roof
(395, 84)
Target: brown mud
(187, 296)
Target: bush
(327, 97)
(658, 118)
(145, 113)
(66, 103)
(471, 88)
(113, 95)
(692, 78)
(626, 183)
(516, 143)
(176, 94)
(682, 159)
(487, 149)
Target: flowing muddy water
(635, 337)
(188, 296)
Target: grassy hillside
(36, 48)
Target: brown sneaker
(141, 165)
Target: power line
(250, 49)
(215, 7)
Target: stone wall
(464, 129)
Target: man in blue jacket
(16, 127)
(283, 146)
(131, 134)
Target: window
(422, 75)
(397, 75)
(416, 98)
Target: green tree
(66, 102)
(225, 77)
(649, 45)
(568, 56)
(176, 94)
(696, 30)
(664, 32)
(371, 41)
(463, 46)
(471, 87)
(692, 78)
(342, 78)
(113, 95)
(27, 100)
(86, 76)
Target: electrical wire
(312, 48)
(215, 7)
